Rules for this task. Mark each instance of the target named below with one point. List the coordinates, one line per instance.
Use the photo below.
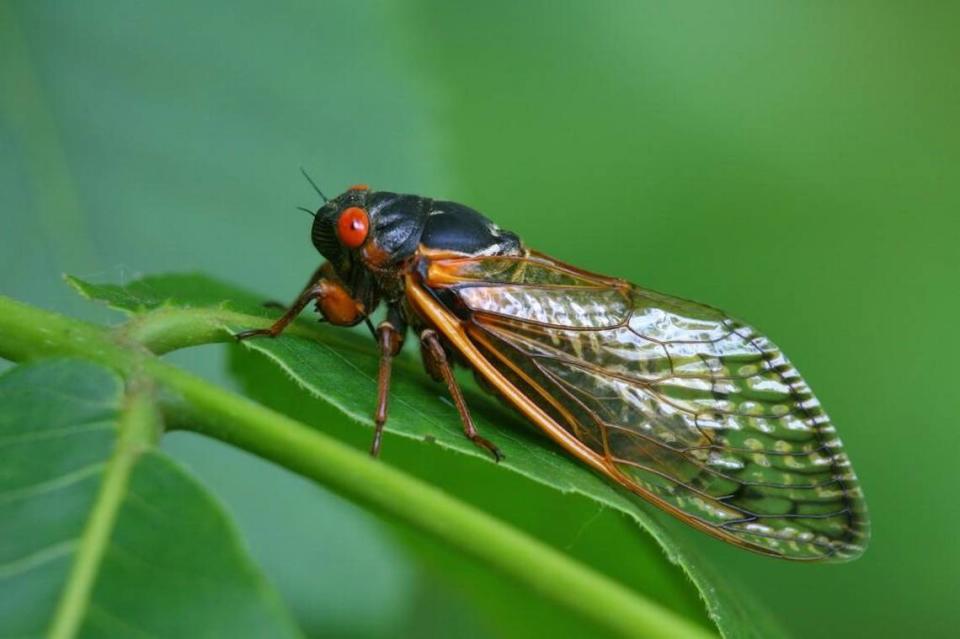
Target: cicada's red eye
(353, 226)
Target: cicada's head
(373, 230)
(342, 224)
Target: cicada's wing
(690, 409)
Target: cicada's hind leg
(438, 366)
(389, 333)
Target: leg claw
(490, 447)
(375, 444)
(254, 332)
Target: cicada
(675, 401)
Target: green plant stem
(167, 329)
(28, 333)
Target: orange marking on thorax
(374, 255)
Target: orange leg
(309, 292)
(277, 327)
(389, 341)
(436, 361)
(334, 302)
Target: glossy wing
(683, 405)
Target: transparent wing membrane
(686, 407)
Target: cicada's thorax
(453, 228)
(405, 230)
(405, 226)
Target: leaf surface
(101, 535)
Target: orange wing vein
(679, 403)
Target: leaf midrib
(137, 428)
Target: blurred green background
(797, 165)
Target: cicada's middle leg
(390, 333)
(438, 366)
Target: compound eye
(353, 226)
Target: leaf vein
(50, 485)
(37, 558)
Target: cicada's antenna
(307, 211)
(314, 185)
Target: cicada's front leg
(333, 301)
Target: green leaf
(101, 535)
(182, 290)
(493, 599)
(339, 367)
